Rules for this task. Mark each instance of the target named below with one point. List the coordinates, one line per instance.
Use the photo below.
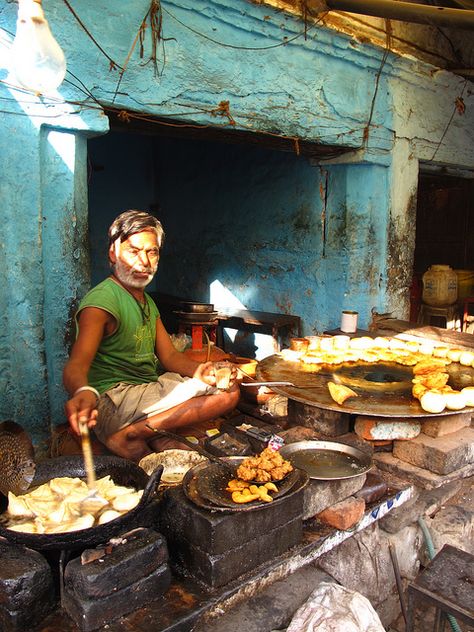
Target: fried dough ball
(268, 466)
(429, 366)
(432, 380)
(418, 390)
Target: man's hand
(206, 373)
(82, 408)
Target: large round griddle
(383, 388)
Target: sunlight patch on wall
(224, 300)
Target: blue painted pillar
(354, 248)
(65, 250)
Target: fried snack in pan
(340, 393)
(268, 466)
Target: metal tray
(384, 389)
(327, 460)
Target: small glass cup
(223, 373)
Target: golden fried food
(236, 485)
(436, 379)
(418, 390)
(340, 393)
(268, 466)
(430, 365)
(428, 360)
(58, 506)
(240, 497)
(249, 493)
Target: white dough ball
(466, 358)
(433, 402)
(455, 400)
(468, 393)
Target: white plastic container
(349, 321)
(440, 286)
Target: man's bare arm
(83, 404)
(177, 362)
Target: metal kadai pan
(327, 460)
(122, 472)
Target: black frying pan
(122, 472)
(205, 486)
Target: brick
(376, 429)
(343, 515)
(318, 495)
(441, 455)
(446, 424)
(90, 614)
(142, 553)
(327, 422)
(217, 570)
(421, 477)
(26, 587)
(373, 489)
(213, 531)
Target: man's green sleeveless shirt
(128, 355)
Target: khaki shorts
(124, 404)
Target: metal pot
(122, 472)
(196, 308)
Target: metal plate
(200, 318)
(327, 460)
(384, 389)
(205, 484)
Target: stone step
(387, 462)
(440, 455)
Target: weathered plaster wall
(319, 88)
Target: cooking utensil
(205, 488)
(196, 317)
(227, 464)
(282, 383)
(327, 460)
(384, 389)
(190, 307)
(122, 471)
(195, 446)
(17, 464)
(92, 502)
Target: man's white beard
(125, 275)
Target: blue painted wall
(308, 238)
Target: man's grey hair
(131, 222)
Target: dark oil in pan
(327, 463)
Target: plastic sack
(334, 608)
